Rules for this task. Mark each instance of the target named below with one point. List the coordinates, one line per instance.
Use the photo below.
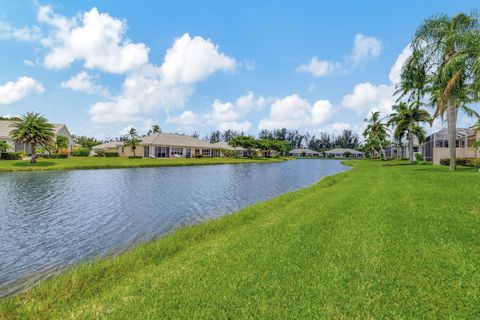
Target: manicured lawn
(374, 242)
(120, 162)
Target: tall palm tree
(449, 48)
(407, 119)
(33, 129)
(154, 129)
(375, 133)
(132, 140)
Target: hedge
(111, 154)
(11, 155)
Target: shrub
(445, 161)
(56, 156)
(100, 153)
(228, 153)
(418, 156)
(135, 157)
(461, 161)
(11, 156)
(22, 153)
(474, 163)
(198, 156)
(81, 152)
(111, 154)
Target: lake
(54, 219)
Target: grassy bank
(120, 162)
(373, 242)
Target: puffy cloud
(187, 118)
(166, 87)
(365, 47)
(249, 102)
(370, 97)
(14, 91)
(396, 70)
(28, 62)
(191, 60)
(295, 112)
(95, 38)
(85, 83)
(8, 32)
(319, 68)
(235, 126)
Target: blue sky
(102, 66)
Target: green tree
(33, 129)
(132, 140)
(375, 133)
(4, 146)
(155, 128)
(86, 142)
(448, 46)
(60, 142)
(246, 142)
(406, 119)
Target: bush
(461, 161)
(111, 154)
(11, 156)
(228, 153)
(55, 156)
(135, 157)
(418, 156)
(473, 163)
(445, 161)
(198, 156)
(81, 152)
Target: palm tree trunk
(410, 144)
(33, 158)
(452, 133)
(399, 149)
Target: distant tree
(375, 133)
(229, 134)
(347, 154)
(4, 146)
(155, 128)
(132, 140)
(86, 142)
(195, 135)
(348, 139)
(215, 136)
(60, 142)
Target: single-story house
(303, 153)
(435, 146)
(164, 145)
(6, 128)
(342, 152)
(395, 151)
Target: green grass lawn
(119, 162)
(377, 242)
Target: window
(216, 153)
(177, 151)
(205, 152)
(123, 149)
(441, 144)
(146, 151)
(460, 144)
(197, 152)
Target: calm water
(51, 220)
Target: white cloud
(187, 118)
(166, 87)
(84, 82)
(396, 70)
(319, 68)
(191, 60)
(8, 32)
(364, 48)
(249, 102)
(14, 91)
(235, 126)
(294, 112)
(369, 97)
(29, 63)
(95, 38)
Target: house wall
(64, 132)
(444, 153)
(127, 151)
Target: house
(6, 128)
(165, 145)
(392, 151)
(435, 146)
(239, 151)
(303, 153)
(344, 153)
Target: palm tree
(34, 129)
(375, 133)
(132, 140)
(407, 118)
(3, 146)
(449, 48)
(154, 129)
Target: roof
(5, 128)
(307, 151)
(461, 133)
(108, 145)
(343, 150)
(175, 140)
(225, 145)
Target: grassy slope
(374, 242)
(120, 162)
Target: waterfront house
(303, 152)
(6, 128)
(239, 151)
(394, 151)
(165, 145)
(343, 153)
(435, 146)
